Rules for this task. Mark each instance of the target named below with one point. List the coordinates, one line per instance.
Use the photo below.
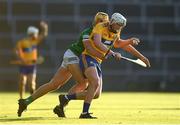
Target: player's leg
(73, 67)
(61, 77)
(31, 81)
(78, 87)
(89, 66)
(72, 63)
(93, 74)
(81, 82)
(31, 78)
(22, 84)
(56, 82)
(23, 79)
(81, 86)
(64, 99)
(80, 91)
(77, 92)
(79, 78)
(99, 90)
(94, 82)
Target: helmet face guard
(112, 29)
(118, 19)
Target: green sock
(29, 100)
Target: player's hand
(146, 61)
(117, 55)
(44, 24)
(134, 41)
(44, 32)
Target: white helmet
(118, 18)
(32, 30)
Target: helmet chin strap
(111, 29)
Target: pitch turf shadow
(22, 119)
(41, 109)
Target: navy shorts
(31, 69)
(87, 61)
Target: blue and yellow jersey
(107, 38)
(28, 49)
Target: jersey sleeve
(86, 34)
(97, 29)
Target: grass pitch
(111, 108)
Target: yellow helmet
(101, 16)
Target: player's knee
(86, 83)
(95, 83)
(83, 84)
(97, 95)
(33, 85)
(23, 82)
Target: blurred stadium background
(155, 22)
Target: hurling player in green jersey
(69, 67)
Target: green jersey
(77, 47)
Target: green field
(111, 108)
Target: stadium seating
(60, 9)
(29, 9)
(5, 27)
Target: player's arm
(44, 30)
(97, 37)
(120, 43)
(133, 51)
(94, 52)
(98, 54)
(97, 42)
(90, 49)
(19, 52)
(108, 52)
